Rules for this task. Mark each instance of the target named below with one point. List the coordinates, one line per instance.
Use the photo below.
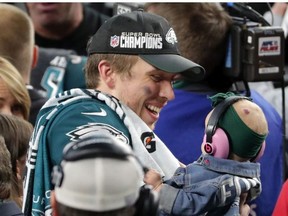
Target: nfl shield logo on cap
(114, 41)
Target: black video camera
(255, 51)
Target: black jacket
(10, 209)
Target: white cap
(100, 183)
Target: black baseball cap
(148, 35)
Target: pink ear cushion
(261, 152)
(220, 144)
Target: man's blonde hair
(120, 64)
(16, 38)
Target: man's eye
(156, 78)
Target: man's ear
(53, 204)
(106, 73)
(35, 56)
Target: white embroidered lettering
(136, 40)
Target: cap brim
(176, 64)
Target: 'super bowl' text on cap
(148, 35)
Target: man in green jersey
(133, 60)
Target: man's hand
(153, 178)
(244, 208)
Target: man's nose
(167, 90)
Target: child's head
(236, 128)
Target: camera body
(254, 52)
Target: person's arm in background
(278, 9)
